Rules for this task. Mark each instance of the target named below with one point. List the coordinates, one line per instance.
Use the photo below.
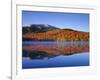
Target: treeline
(57, 35)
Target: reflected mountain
(37, 55)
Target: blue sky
(77, 21)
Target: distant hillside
(47, 33)
(38, 28)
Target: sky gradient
(77, 21)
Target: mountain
(38, 28)
(47, 33)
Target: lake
(39, 54)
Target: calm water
(35, 54)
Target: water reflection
(46, 50)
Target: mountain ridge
(51, 33)
(38, 28)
